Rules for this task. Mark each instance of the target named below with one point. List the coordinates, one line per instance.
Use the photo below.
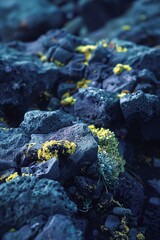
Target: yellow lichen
(86, 50)
(122, 94)
(121, 49)
(104, 136)
(140, 236)
(58, 63)
(103, 43)
(120, 68)
(26, 174)
(125, 228)
(68, 101)
(83, 83)
(53, 148)
(12, 176)
(126, 27)
(43, 58)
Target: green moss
(110, 162)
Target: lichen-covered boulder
(74, 146)
(23, 198)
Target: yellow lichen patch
(26, 174)
(43, 58)
(53, 148)
(102, 134)
(68, 101)
(125, 228)
(140, 236)
(123, 93)
(58, 63)
(86, 50)
(126, 27)
(83, 83)
(120, 68)
(12, 176)
(121, 49)
(65, 95)
(103, 43)
(86, 63)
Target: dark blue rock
(97, 106)
(23, 198)
(59, 227)
(40, 122)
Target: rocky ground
(79, 120)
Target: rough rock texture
(26, 197)
(97, 106)
(59, 227)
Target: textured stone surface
(23, 198)
(97, 106)
(59, 227)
